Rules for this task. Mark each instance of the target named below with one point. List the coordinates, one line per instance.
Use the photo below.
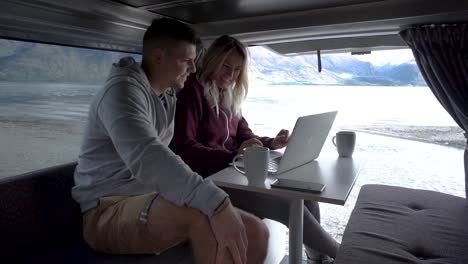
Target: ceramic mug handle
(238, 156)
(334, 140)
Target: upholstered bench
(400, 225)
(41, 223)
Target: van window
(45, 91)
(407, 137)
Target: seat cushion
(38, 211)
(80, 253)
(41, 223)
(400, 225)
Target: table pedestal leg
(296, 215)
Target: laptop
(305, 143)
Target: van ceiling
(203, 11)
(286, 26)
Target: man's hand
(230, 234)
(249, 143)
(281, 140)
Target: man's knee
(197, 225)
(257, 234)
(165, 217)
(260, 234)
(197, 221)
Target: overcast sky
(380, 58)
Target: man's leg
(257, 235)
(118, 225)
(170, 224)
(145, 225)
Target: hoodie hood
(127, 69)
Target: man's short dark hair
(164, 29)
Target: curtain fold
(441, 52)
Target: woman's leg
(277, 208)
(314, 209)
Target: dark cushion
(41, 223)
(400, 225)
(37, 211)
(79, 252)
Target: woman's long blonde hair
(212, 63)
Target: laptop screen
(306, 141)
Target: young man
(136, 195)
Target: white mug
(256, 160)
(345, 142)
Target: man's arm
(124, 113)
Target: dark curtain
(441, 52)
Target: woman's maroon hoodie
(206, 141)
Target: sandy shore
(395, 160)
(400, 162)
(442, 135)
(28, 146)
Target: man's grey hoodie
(125, 147)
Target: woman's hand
(249, 143)
(281, 140)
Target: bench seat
(400, 225)
(41, 223)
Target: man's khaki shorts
(118, 226)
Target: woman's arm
(245, 133)
(202, 159)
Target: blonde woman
(210, 131)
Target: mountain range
(23, 61)
(339, 69)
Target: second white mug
(256, 160)
(345, 142)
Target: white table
(338, 175)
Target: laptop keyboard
(274, 164)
